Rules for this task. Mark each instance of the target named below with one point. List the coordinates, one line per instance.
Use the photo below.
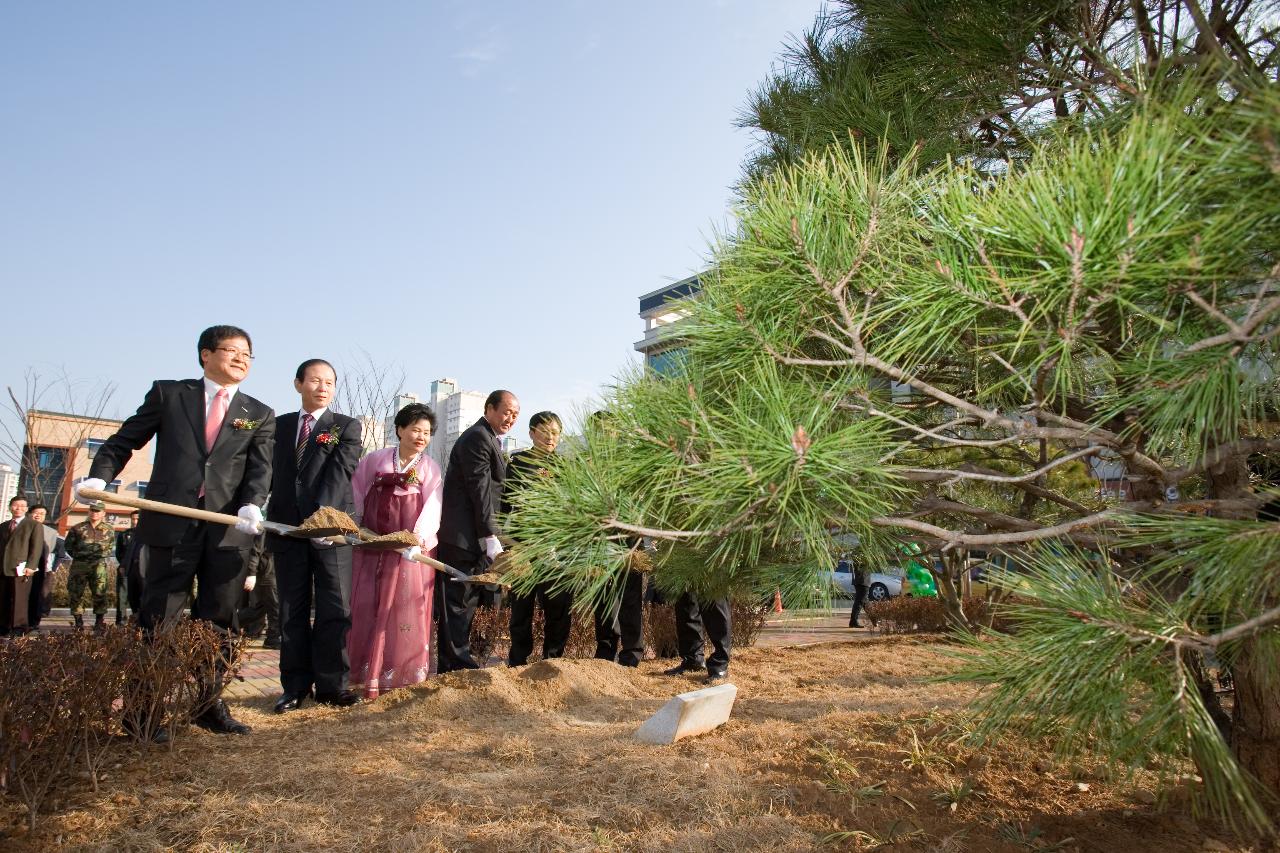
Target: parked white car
(880, 585)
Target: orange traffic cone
(777, 601)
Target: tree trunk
(1255, 719)
(946, 582)
(1255, 729)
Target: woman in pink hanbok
(398, 488)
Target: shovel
(328, 524)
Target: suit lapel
(193, 405)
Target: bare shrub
(65, 697)
(911, 615)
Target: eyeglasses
(233, 352)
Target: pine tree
(930, 342)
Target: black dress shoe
(345, 699)
(219, 721)
(271, 643)
(290, 702)
(715, 677)
(683, 668)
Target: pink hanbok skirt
(390, 640)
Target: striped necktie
(303, 435)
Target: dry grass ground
(824, 740)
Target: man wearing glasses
(213, 451)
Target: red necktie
(213, 421)
(303, 435)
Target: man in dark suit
(469, 524)
(22, 554)
(315, 455)
(526, 467)
(17, 509)
(213, 451)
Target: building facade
(59, 450)
(8, 486)
(456, 410)
(662, 311)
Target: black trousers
(556, 621)
(260, 607)
(859, 596)
(455, 607)
(122, 593)
(169, 573)
(137, 578)
(19, 599)
(313, 654)
(620, 623)
(39, 598)
(692, 618)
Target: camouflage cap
(96, 506)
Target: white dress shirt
(315, 418)
(211, 390)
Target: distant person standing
(860, 588)
(22, 560)
(469, 524)
(38, 604)
(124, 556)
(89, 544)
(17, 509)
(527, 466)
(260, 604)
(694, 615)
(619, 621)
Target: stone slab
(689, 714)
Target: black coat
(235, 473)
(472, 489)
(325, 478)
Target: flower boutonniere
(411, 477)
(329, 438)
(245, 423)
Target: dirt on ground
(832, 747)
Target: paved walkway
(260, 675)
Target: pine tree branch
(954, 539)
(1220, 454)
(952, 476)
(1199, 642)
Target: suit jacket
(236, 472)
(26, 545)
(325, 476)
(473, 489)
(5, 533)
(52, 547)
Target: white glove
(250, 582)
(492, 547)
(320, 543)
(250, 520)
(21, 568)
(88, 483)
(410, 553)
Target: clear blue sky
(473, 190)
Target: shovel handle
(159, 506)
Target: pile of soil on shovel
(838, 738)
(328, 518)
(399, 539)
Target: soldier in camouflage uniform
(89, 544)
